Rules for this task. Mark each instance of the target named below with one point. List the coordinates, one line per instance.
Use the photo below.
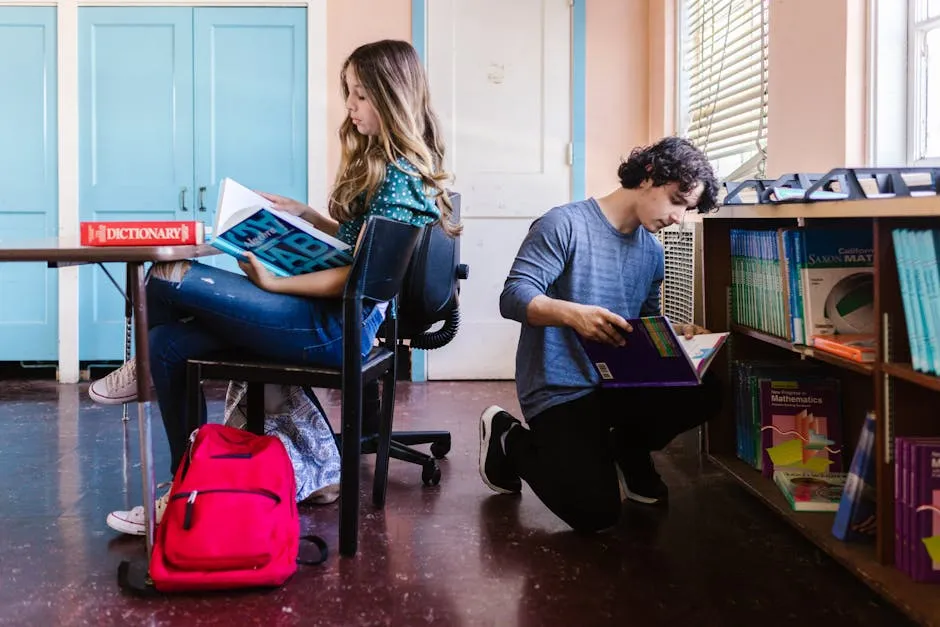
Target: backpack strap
(321, 545)
(134, 578)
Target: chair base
(430, 470)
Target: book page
(235, 198)
(701, 349)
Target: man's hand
(688, 330)
(599, 324)
(258, 274)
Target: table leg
(128, 316)
(136, 276)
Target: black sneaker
(494, 465)
(639, 479)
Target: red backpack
(231, 521)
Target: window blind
(725, 82)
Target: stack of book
(917, 508)
(916, 252)
(803, 283)
(789, 417)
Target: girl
(391, 165)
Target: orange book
(141, 233)
(855, 346)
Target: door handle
(202, 197)
(183, 200)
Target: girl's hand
(289, 205)
(258, 274)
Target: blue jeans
(212, 309)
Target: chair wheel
(431, 473)
(440, 449)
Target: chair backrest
(381, 259)
(431, 283)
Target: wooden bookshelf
(907, 373)
(902, 399)
(919, 601)
(805, 351)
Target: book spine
(925, 492)
(136, 233)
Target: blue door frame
(578, 55)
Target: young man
(584, 268)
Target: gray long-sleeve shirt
(573, 253)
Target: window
(924, 82)
(723, 83)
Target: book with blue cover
(285, 244)
(654, 355)
(855, 517)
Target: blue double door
(28, 179)
(172, 100)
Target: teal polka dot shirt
(401, 197)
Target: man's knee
(596, 519)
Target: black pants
(568, 454)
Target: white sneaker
(131, 521)
(118, 387)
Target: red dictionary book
(133, 233)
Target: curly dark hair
(671, 160)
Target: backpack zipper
(191, 500)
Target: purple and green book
(654, 355)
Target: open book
(285, 244)
(654, 355)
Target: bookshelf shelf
(841, 362)
(880, 386)
(921, 602)
(765, 337)
(907, 372)
(904, 207)
(806, 351)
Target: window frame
(915, 113)
(683, 114)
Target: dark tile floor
(453, 554)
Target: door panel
(136, 142)
(28, 180)
(251, 103)
(504, 98)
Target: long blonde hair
(397, 88)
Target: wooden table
(63, 252)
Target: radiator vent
(680, 294)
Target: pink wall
(617, 74)
(662, 84)
(817, 105)
(630, 70)
(351, 23)
(616, 87)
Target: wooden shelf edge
(907, 373)
(764, 337)
(920, 602)
(806, 351)
(898, 207)
(836, 360)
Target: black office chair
(377, 275)
(428, 296)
